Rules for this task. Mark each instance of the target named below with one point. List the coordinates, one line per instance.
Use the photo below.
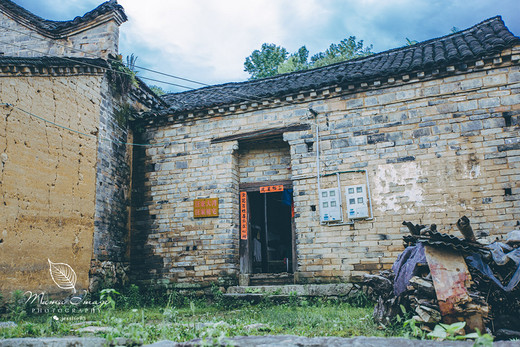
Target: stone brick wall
(265, 161)
(167, 242)
(434, 150)
(95, 41)
(48, 178)
(110, 263)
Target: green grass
(199, 319)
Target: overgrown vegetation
(146, 315)
(123, 113)
(122, 78)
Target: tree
(296, 62)
(265, 62)
(347, 49)
(272, 60)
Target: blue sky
(208, 40)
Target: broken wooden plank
(450, 278)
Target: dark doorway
(271, 231)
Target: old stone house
(64, 173)
(300, 178)
(307, 177)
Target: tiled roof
(55, 28)
(480, 41)
(52, 62)
(67, 65)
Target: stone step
(262, 279)
(334, 289)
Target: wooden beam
(261, 134)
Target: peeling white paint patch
(396, 187)
(472, 171)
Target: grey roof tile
(52, 62)
(56, 27)
(482, 40)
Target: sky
(208, 40)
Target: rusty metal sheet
(445, 240)
(450, 277)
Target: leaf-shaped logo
(63, 275)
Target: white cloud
(208, 40)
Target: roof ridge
(388, 52)
(54, 27)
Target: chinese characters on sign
(243, 215)
(271, 189)
(203, 208)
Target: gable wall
(97, 41)
(48, 179)
(434, 151)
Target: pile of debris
(446, 279)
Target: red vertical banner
(243, 215)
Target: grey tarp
(404, 266)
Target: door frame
(245, 248)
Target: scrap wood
(450, 277)
(479, 297)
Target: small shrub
(131, 297)
(170, 314)
(16, 306)
(359, 299)
(108, 297)
(294, 299)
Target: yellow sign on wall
(271, 189)
(203, 208)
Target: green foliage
(108, 297)
(198, 319)
(130, 62)
(272, 60)
(296, 62)
(265, 62)
(347, 49)
(455, 331)
(130, 297)
(413, 329)
(157, 90)
(123, 113)
(17, 306)
(447, 331)
(359, 299)
(410, 42)
(121, 77)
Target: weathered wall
(434, 150)
(48, 178)
(110, 264)
(264, 161)
(163, 231)
(96, 41)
